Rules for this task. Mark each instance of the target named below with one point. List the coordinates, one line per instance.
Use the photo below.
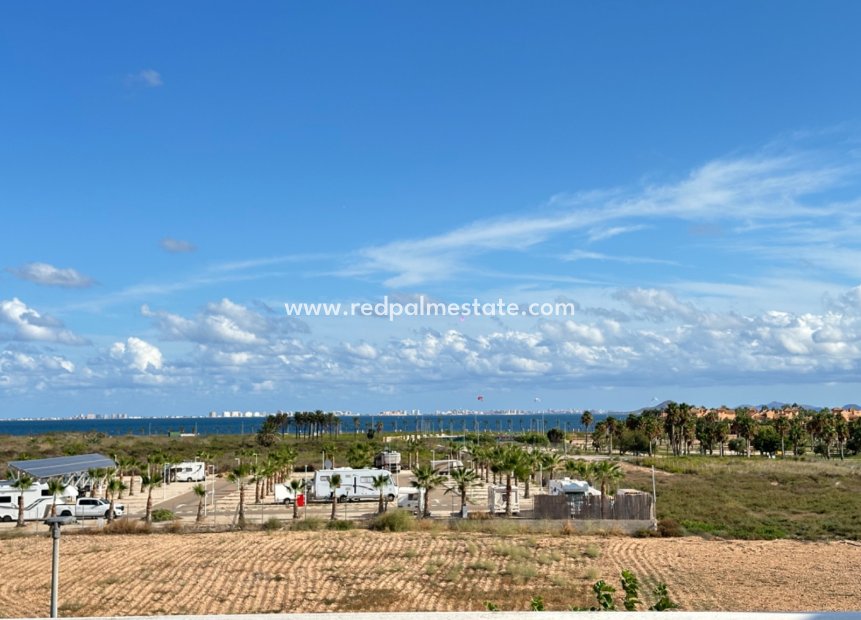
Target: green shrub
(340, 525)
(393, 521)
(160, 515)
(307, 525)
(272, 524)
(670, 528)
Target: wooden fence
(623, 506)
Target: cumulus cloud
(48, 275)
(224, 322)
(176, 246)
(146, 78)
(28, 324)
(138, 354)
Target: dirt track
(365, 571)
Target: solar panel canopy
(62, 465)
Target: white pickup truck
(89, 507)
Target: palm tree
(580, 468)
(22, 483)
(607, 475)
(551, 461)
(237, 476)
(56, 487)
(463, 480)
(781, 425)
(507, 459)
(199, 490)
(296, 485)
(380, 483)
(150, 482)
(335, 484)
(586, 420)
(427, 479)
(115, 487)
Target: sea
(444, 424)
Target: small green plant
(481, 565)
(663, 601)
(490, 606)
(307, 525)
(604, 593)
(272, 524)
(393, 521)
(160, 515)
(520, 572)
(591, 573)
(631, 586)
(536, 604)
(592, 551)
(340, 525)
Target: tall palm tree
(296, 485)
(115, 487)
(427, 479)
(781, 425)
(586, 420)
(237, 476)
(335, 484)
(22, 483)
(380, 483)
(199, 490)
(150, 482)
(607, 475)
(507, 459)
(463, 480)
(56, 487)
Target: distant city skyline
(684, 175)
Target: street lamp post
(55, 523)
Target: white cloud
(224, 322)
(29, 324)
(576, 255)
(176, 246)
(138, 354)
(147, 78)
(763, 188)
(48, 275)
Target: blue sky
(171, 175)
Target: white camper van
(356, 485)
(37, 500)
(446, 465)
(411, 499)
(285, 495)
(189, 471)
(496, 499)
(574, 490)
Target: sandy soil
(366, 571)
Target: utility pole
(55, 523)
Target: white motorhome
(446, 465)
(496, 499)
(574, 490)
(411, 499)
(189, 471)
(356, 485)
(37, 500)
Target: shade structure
(62, 466)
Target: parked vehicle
(189, 471)
(90, 508)
(575, 490)
(388, 460)
(445, 466)
(285, 495)
(37, 500)
(411, 499)
(496, 500)
(356, 485)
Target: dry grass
(283, 571)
